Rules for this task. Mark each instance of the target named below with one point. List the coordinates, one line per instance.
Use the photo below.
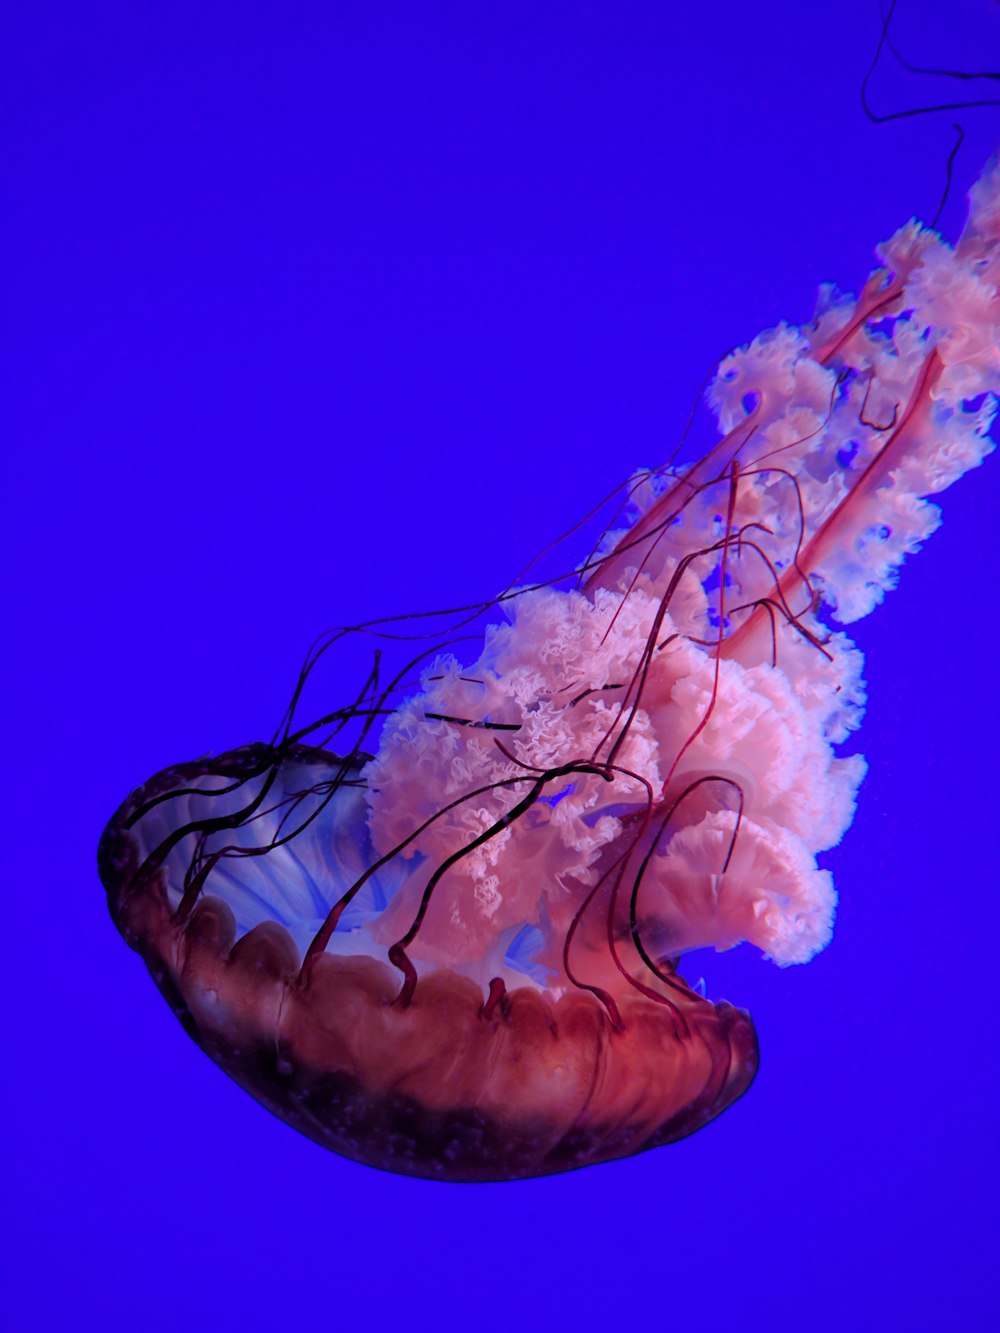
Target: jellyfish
(440, 930)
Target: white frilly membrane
(695, 660)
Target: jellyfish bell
(457, 956)
(458, 1080)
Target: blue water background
(323, 311)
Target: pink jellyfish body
(457, 957)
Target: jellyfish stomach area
(609, 901)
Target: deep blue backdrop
(324, 311)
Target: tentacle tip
(497, 999)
